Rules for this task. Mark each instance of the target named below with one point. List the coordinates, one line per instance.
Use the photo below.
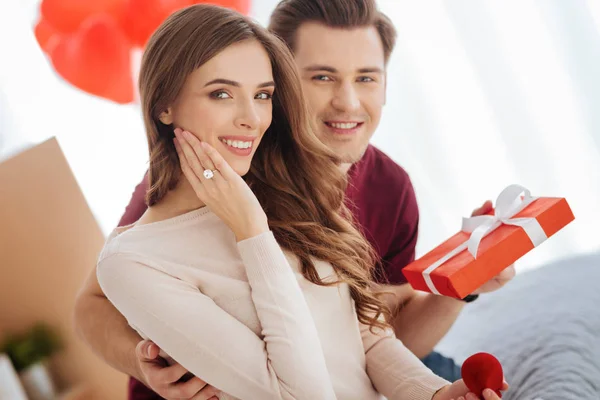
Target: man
(341, 48)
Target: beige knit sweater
(242, 317)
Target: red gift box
(488, 244)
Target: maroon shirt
(381, 197)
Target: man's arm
(104, 329)
(97, 322)
(421, 320)
(108, 334)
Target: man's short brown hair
(289, 15)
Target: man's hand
(503, 277)
(166, 380)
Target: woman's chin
(241, 170)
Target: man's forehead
(342, 49)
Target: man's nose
(346, 98)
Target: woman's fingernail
(488, 392)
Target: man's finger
(146, 350)
(207, 393)
(507, 274)
(191, 388)
(172, 373)
(485, 208)
(186, 390)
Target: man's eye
(366, 79)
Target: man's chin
(349, 153)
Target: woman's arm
(394, 370)
(287, 363)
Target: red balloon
(67, 15)
(96, 59)
(44, 33)
(482, 371)
(143, 17)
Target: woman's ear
(166, 117)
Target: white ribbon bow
(508, 204)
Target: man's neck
(345, 167)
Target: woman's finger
(189, 154)
(219, 162)
(187, 171)
(200, 153)
(489, 394)
(214, 176)
(210, 177)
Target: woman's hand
(459, 391)
(225, 193)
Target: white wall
(480, 95)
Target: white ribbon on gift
(508, 204)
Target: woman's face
(227, 102)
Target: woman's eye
(220, 94)
(322, 78)
(264, 96)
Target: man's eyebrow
(370, 70)
(326, 68)
(321, 68)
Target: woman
(258, 285)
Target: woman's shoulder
(172, 235)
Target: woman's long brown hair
(295, 177)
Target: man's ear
(166, 117)
(385, 88)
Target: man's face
(343, 77)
